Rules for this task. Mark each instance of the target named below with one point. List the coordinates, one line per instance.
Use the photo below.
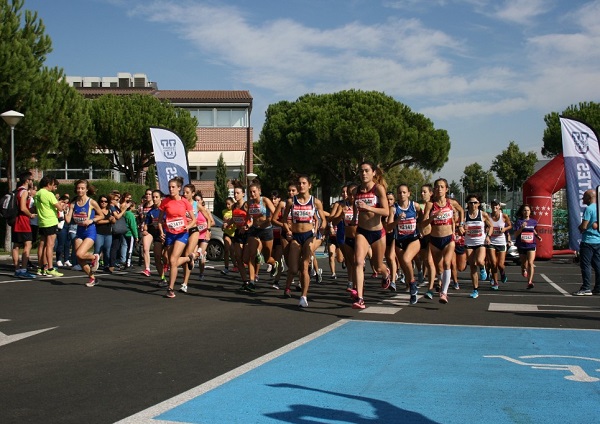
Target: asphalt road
(72, 354)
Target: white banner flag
(170, 156)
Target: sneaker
(260, 259)
(353, 294)
(95, 262)
(20, 273)
(274, 269)
(524, 273)
(503, 277)
(28, 275)
(333, 276)
(414, 291)
(59, 264)
(163, 282)
(429, 294)
(455, 285)
(393, 286)
(474, 294)
(583, 293)
(349, 286)
(386, 281)
(313, 273)
(420, 277)
(495, 286)
(146, 272)
(319, 276)
(530, 286)
(201, 277)
(482, 274)
(275, 286)
(359, 304)
(68, 264)
(192, 262)
(225, 271)
(170, 293)
(443, 298)
(287, 293)
(243, 287)
(53, 273)
(374, 275)
(303, 302)
(269, 268)
(251, 287)
(91, 282)
(183, 288)
(76, 267)
(41, 271)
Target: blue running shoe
(413, 293)
(482, 274)
(475, 294)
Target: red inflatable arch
(537, 193)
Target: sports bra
(447, 216)
(303, 212)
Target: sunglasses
(473, 203)
(103, 201)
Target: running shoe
(274, 269)
(29, 275)
(455, 285)
(20, 273)
(386, 281)
(495, 286)
(170, 293)
(374, 275)
(269, 268)
(260, 259)
(91, 282)
(414, 291)
(420, 277)
(76, 267)
(349, 286)
(287, 293)
(192, 262)
(474, 294)
(225, 271)
(393, 286)
(583, 293)
(251, 288)
(354, 294)
(530, 286)
(95, 262)
(359, 304)
(183, 288)
(524, 273)
(443, 298)
(482, 274)
(53, 273)
(41, 271)
(333, 276)
(275, 286)
(163, 282)
(243, 287)
(59, 264)
(503, 277)
(146, 272)
(68, 263)
(303, 302)
(429, 294)
(319, 276)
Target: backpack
(9, 208)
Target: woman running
(334, 248)
(526, 235)
(241, 220)
(277, 253)
(205, 221)
(496, 251)
(228, 233)
(439, 213)
(192, 242)
(104, 232)
(278, 220)
(408, 244)
(300, 233)
(391, 258)
(477, 229)
(345, 216)
(174, 213)
(152, 239)
(370, 207)
(85, 213)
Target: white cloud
(522, 11)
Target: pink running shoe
(146, 272)
(359, 304)
(443, 298)
(386, 281)
(353, 294)
(95, 262)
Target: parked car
(216, 248)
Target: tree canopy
(328, 135)
(513, 166)
(476, 180)
(588, 112)
(121, 125)
(54, 113)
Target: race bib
(527, 238)
(175, 224)
(80, 218)
(473, 230)
(497, 231)
(407, 226)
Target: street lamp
(12, 118)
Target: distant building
(223, 124)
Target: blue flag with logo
(582, 170)
(170, 156)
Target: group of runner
(436, 237)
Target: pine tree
(221, 188)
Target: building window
(220, 117)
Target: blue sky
(487, 71)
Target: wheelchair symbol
(577, 373)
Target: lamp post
(12, 118)
(249, 177)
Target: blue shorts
(301, 238)
(371, 236)
(402, 243)
(264, 234)
(171, 238)
(84, 232)
(441, 242)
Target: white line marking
(556, 286)
(516, 307)
(146, 416)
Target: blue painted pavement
(367, 372)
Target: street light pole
(12, 118)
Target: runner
(497, 248)
(21, 234)
(424, 261)
(174, 227)
(205, 221)
(85, 213)
(526, 235)
(103, 232)
(228, 233)
(391, 258)
(277, 253)
(278, 220)
(152, 238)
(477, 229)
(334, 249)
(241, 220)
(370, 207)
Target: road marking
(517, 307)
(4, 339)
(556, 286)
(389, 306)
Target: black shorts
(264, 234)
(405, 241)
(21, 238)
(48, 231)
(425, 242)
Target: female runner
(151, 234)
(477, 228)
(439, 213)
(345, 216)
(300, 233)
(526, 235)
(192, 243)
(497, 248)
(277, 220)
(205, 221)
(174, 227)
(86, 213)
(370, 206)
(228, 232)
(405, 214)
(240, 218)
(391, 258)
